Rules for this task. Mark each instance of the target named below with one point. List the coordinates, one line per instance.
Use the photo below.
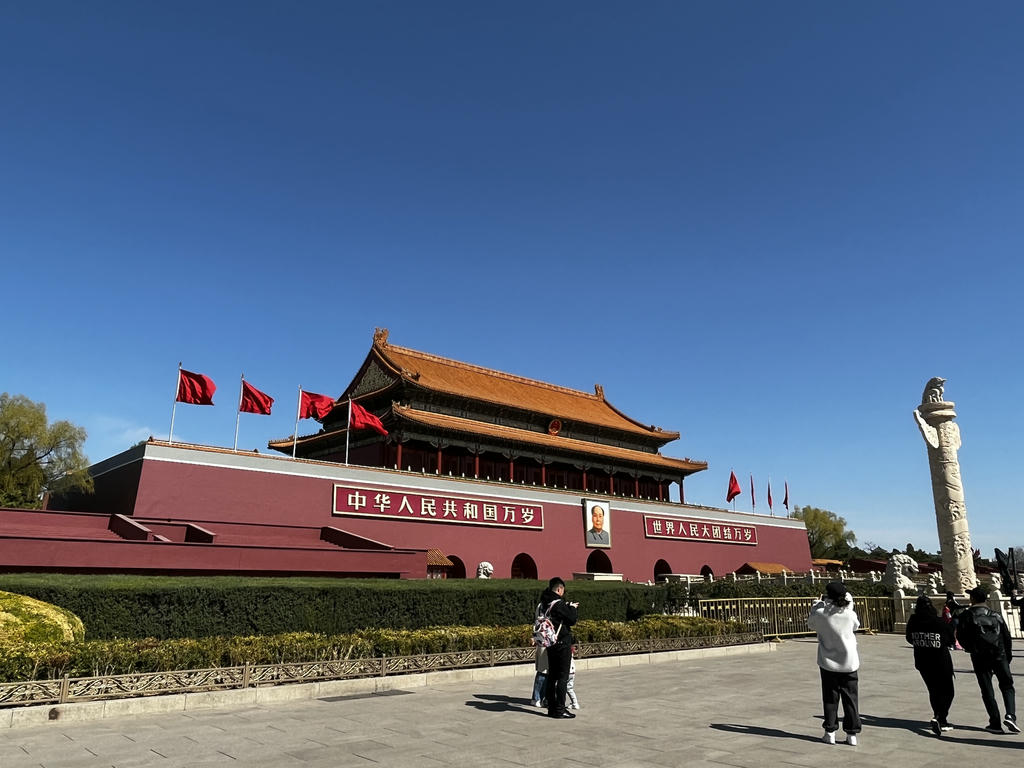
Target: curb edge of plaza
(238, 698)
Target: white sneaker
(1011, 724)
(851, 739)
(536, 702)
(829, 737)
(574, 706)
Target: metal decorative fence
(73, 689)
(786, 616)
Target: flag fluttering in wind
(785, 500)
(362, 419)
(192, 388)
(251, 400)
(769, 494)
(753, 500)
(314, 406)
(311, 406)
(195, 388)
(734, 487)
(254, 401)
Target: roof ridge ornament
(599, 391)
(380, 336)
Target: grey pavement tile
(724, 713)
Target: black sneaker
(994, 728)
(936, 728)
(1011, 724)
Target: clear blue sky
(764, 225)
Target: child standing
(570, 686)
(541, 678)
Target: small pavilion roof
(439, 558)
(769, 569)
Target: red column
(544, 475)
(636, 487)
(511, 471)
(439, 461)
(398, 456)
(476, 465)
(584, 481)
(661, 488)
(682, 496)
(611, 484)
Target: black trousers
(984, 668)
(559, 658)
(939, 683)
(836, 686)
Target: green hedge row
(129, 606)
(37, 661)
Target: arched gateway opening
(458, 570)
(660, 569)
(598, 562)
(523, 567)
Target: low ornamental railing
(74, 689)
(787, 616)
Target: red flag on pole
(734, 487)
(769, 494)
(363, 419)
(195, 388)
(785, 500)
(315, 406)
(254, 401)
(753, 501)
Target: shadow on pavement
(1008, 740)
(756, 730)
(498, 703)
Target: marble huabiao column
(935, 418)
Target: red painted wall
(208, 494)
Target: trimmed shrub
(25, 619)
(131, 606)
(32, 661)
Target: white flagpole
(239, 413)
(298, 410)
(177, 385)
(348, 429)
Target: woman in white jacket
(835, 621)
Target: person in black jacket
(563, 616)
(989, 660)
(932, 638)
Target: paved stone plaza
(759, 709)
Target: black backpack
(986, 634)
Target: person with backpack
(932, 638)
(559, 642)
(984, 635)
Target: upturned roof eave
(540, 442)
(381, 349)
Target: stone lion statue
(485, 570)
(898, 571)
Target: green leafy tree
(826, 533)
(36, 456)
